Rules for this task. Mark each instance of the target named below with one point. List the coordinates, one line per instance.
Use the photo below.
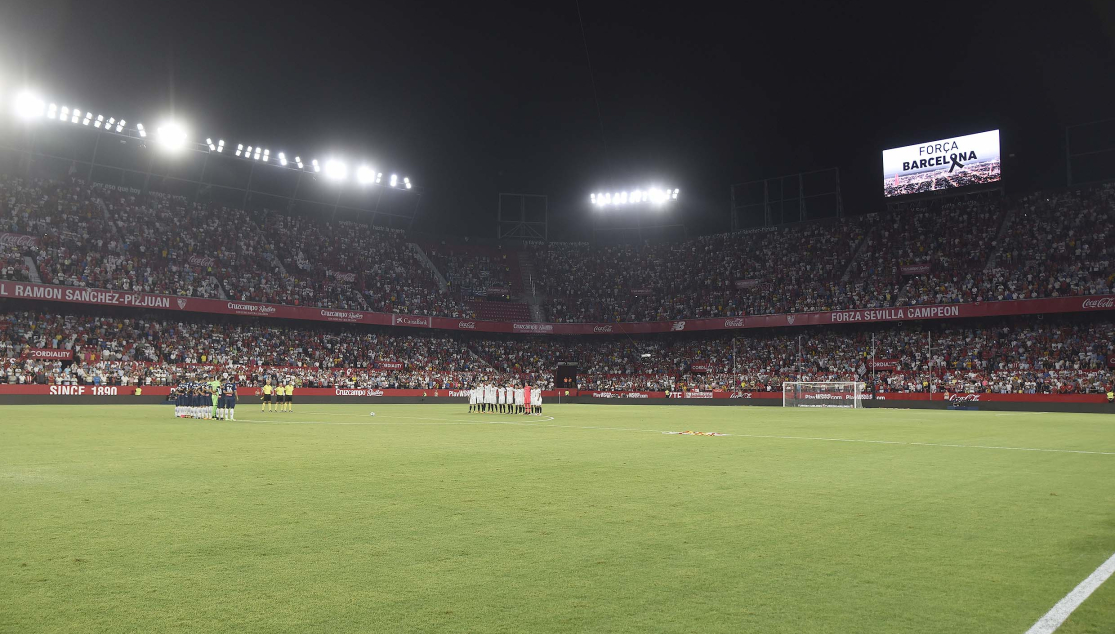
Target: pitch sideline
(1060, 612)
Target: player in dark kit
(227, 409)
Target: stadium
(249, 387)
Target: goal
(822, 394)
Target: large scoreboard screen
(961, 161)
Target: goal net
(821, 394)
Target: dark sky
(470, 99)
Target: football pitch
(425, 518)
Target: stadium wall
(249, 398)
(147, 301)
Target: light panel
(173, 136)
(654, 195)
(335, 170)
(28, 106)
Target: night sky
(470, 99)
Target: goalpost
(822, 394)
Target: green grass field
(428, 519)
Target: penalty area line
(1060, 612)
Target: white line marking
(541, 423)
(1058, 613)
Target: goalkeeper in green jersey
(215, 392)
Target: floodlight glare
(209, 142)
(365, 175)
(99, 121)
(76, 115)
(239, 148)
(336, 170)
(379, 177)
(266, 155)
(172, 136)
(256, 157)
(87, 119)
(298, 161)
(142, 132)
(220, 144)
(394, 180)
(408, 184)
(28, 106)
(120, 125)
(282, 159)
(111, 122)
(317, 168)
(655, 196)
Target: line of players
(205, 400)
(505, 400)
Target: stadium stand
(1041, 245)
(1067, 355)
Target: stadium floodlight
(248, 152)
(239, 148)
(99, 121)
(220, 144)
(120, 126)
(52, 111)
(379, 177)
(282, 159)
(406, 181)
(266, 155)
(394, 180)
(212, 146)
(142, 132)
(317, 168)
(87, 119)
(256, 156)
(365, 175)
(335, 170)
(655, 196)
(298, 161)
(111, 122)
(172, 136)
(76, 115)
(28, 106)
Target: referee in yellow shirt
(290, 395)
(267, 391)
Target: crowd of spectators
(1051, 245)
(972, 250)
(13, 266)
(91, 236)
(1019, 355)
(475, 271)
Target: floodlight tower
(632, 212)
